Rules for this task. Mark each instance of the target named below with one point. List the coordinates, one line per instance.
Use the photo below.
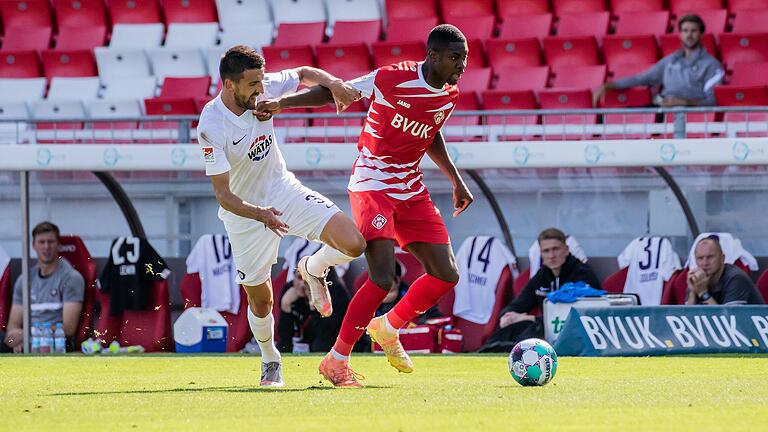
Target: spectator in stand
(56, 291)
(715, 282)
(300, 322)
(558, 267)
(687, 76)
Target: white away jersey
(246, 147)
(651, 261)
(212, 259)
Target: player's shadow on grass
(212, 389)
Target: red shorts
(406, 222)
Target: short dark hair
(552, 234)
(45, 227)
(715, 239)
(443, 35)
(237, 60)
(694, 19)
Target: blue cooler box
(200, 330)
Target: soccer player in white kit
(260, 200)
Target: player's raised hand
(266, 109)
(462, 198)
(269, 217)
(344, 95)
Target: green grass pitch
(462, 392)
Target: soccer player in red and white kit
(410, 102)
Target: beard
(245, 103)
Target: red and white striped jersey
(405, 114)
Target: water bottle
(46, 339)
(59, 339)
(36, 337)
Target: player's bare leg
(343, 243)
(441, 276)
(263, 327)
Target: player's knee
(383, 281)
(448, 274)
(261, 308)
(355, 246)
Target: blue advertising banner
(662, 330)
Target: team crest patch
(208, 155)
(379, 221)
(439, 117)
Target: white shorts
(254, 246)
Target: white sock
(324, 258)
(338, 356)
(264, 331)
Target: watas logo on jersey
(259, 148)
(439, 117)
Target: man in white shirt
(260, 200)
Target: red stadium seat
(19, 64)
(80, 38)
(476, 55)
(397, 9)
(614, 283)
(353, 32)
(525, 26)
(475, 80)
(628, 98)
(465, 8)
(25, 14)
(513, 53)
(630, 50)
(80, 13)
(134, 11)
(746, 5)
(386, 53)
(510, 100)
(521, 281)
(182, 87)
(694, 5)
(579, 77)
(754, 21)
(583, 24)
(299, 34)
(566, 99)
(762, 285)
(150, 328)
(714, 20)
(167, 107)
(409, 29)
(577, 6)
(523, 78)
(26, 38)
(279, 58)
(749, 74)
(468, 101)
(189, 11)
(73, 249)
(507, 8)
(79, 63)
(571, 51)
(475, 334)
(480, 27)
(674, 288)
(6, 297)
(343, 57)
(741, 48)
(733, 95)
(618, 6)
(669, 43)
(642, 23)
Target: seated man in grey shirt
(715, 282)
(687, 76)
(56, 290)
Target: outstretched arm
(437, 151)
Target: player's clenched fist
(268, 216)
(344, 95)
(266, 109)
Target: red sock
(359, 313)
(422, 295)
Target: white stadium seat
(352, 10)
(74, 88)
(130, 88)
(238, 13)
(212, 60)
(114, 109)
(121, 63)
(137, 35)
(296, 11)
(22, 89)
(56, 110)
(177, 62)
(191, 35)
(256, 36)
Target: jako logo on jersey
(403, 104)
(379, 221)
(439, 116)
(259, 148)
(415, 128)
(208, 155)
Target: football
(532, 362)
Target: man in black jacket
(518, 319)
